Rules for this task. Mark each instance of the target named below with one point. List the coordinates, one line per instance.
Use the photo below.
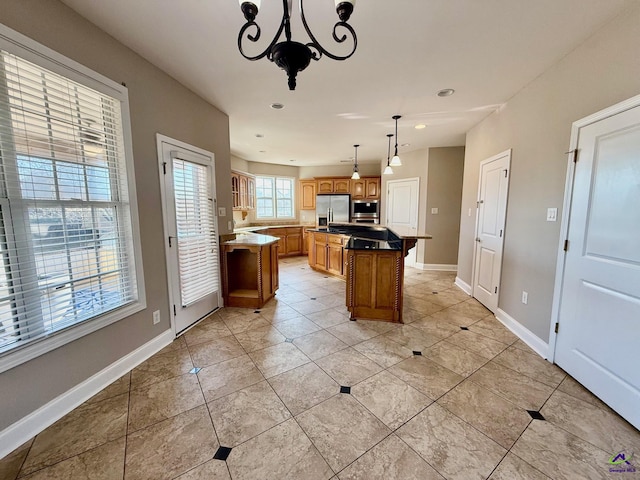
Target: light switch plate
(222, 212)
(552, 214)
(434, 211)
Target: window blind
(197, 245)
(66, 241)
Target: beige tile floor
(425, 400)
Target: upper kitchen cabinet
(243, 191)
(325, 185)
(308, 194)
(341, 185)
(365, 188)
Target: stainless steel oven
(365, 211)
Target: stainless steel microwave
(364, 208)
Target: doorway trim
(566, 209)
(505, 153)
(173, 296)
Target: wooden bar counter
(249, 270)
(375, 270)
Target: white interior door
(402, 210)
(492, 208)
(191, 233)
(599, 314)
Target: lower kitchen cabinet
(327, 253)
(290, 240)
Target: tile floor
(297, 391)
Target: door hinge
(575, 155)
(566, 245)
(557, 327)
(500, 233)
(164, 168)
(169, 241)
(175, 314)
(495, 290)
(505, 173)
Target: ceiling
(487, 50)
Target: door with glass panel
(191, 233)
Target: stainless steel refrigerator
(332, 208)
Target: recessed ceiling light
(259, 135)
(262, 151)
(420, 127)
(277, 106)
(446, 92)
(292, 160)
(405, 144)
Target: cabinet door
(235, 189)
(335, 259)
(251, 192)
(305, 242)
(244, 190)
(294, 241)
(341, 185)
(325, 185)
(373, 187)
(307, 195)
(358, 189)
(319, 251)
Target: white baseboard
(462, 285)
(440, 267)
(18, 433)
(534, 342)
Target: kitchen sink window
(68, 241)
(274, 197)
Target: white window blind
(197, 246)
(66, 242)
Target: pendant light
(388, 170)
(356, 175)
(395, 161)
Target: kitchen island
(249, 270)
(374, 268)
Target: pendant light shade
(356, 175)
(388, 170)
(395, 161)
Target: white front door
(492, 209)
(599, 313)
(190, 231)
(402, 210)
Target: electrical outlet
(230, 225)
(469, 214)
(525, 297)
(156, 317)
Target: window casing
(69, 243)
(275, 197)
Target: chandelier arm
(256, 37)
(323, 51)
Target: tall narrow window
(275, 197)
(66, 241)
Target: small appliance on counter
(365, 211)
(332, 208)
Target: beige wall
(158, 104)
(536, 124)
(339, 170)
(444, 192)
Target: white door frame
(506, 153)
(566, 209)
(411, 258)
(160, 139)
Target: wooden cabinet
(306, 236)
(342, 185)
(365, 188)
(243, 191)
(289, 240)
(250, 274)
(326, 253)
(372, 187)
(325, 185)
(374, 284)
(307, 194)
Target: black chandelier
(294, 57)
